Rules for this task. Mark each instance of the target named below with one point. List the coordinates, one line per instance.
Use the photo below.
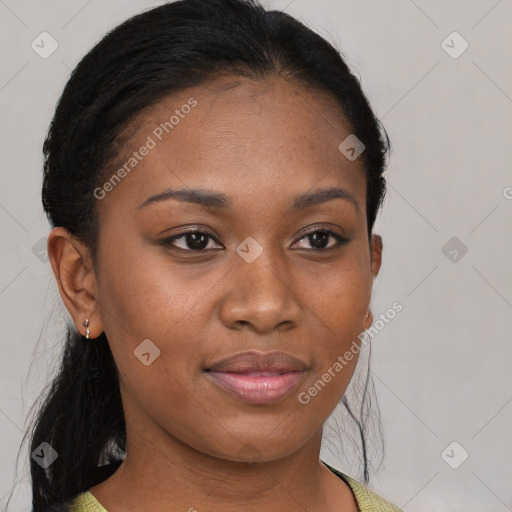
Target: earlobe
(71, 264)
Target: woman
(212, 175)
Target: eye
(319, 239)
(197, 241)
(193, 240)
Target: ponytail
(82, 420)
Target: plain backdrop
(439, 76)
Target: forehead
(241, 135)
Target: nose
(261, 297)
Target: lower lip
(258, 389)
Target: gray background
(442, 366)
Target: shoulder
(86, 502)
(367, 500)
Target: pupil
(196, 240)
(321, 237)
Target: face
(265, 256)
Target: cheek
(147, 314)
(141, 296)
(340, 305)
(144, 307)
(342, 299)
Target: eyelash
(340, 240)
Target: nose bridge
(261, 294)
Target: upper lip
(252, 360)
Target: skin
(189, 443)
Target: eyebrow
(218, 200)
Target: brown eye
(319, 240)
(190, 241)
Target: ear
(376, 254)
(375, 263)
(72, 266)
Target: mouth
(258, 378)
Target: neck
(177, 477)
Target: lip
(258, 377)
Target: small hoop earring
(87, 330)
